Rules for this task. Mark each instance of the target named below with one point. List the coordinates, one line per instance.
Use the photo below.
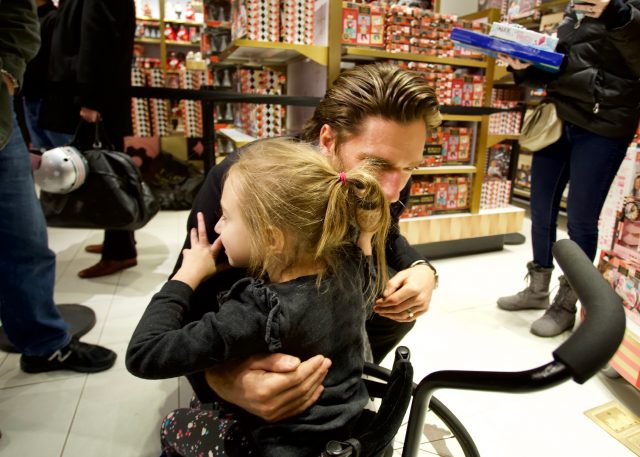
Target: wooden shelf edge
(446, 169)
(493, 139)
(462, 226)
(380, 54)
(148, 40)
(319, 54)
(239, 138)
(461, 117)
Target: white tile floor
(115, 414)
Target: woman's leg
(549, 176)
(594, 163)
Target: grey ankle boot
(535, 295)
(561, 315)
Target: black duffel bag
(112, 197)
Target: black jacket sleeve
(161, 347)
(626, 38)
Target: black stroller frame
(580, 357)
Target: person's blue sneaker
(76, 356)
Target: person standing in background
(29, 316)
(92, 50)
(35, 83)
(597, 96)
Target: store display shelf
(269, 53)
(502, 76)
(239, 138)
(448, 227)
(148, 19)
(355, 53)
(446, 170)
(180, 22)
(522, 193)
(148, 40)
(495, 138)
(183, 43)
(461, 117)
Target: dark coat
(91, 46)
(36, 75)
(297, 317)
(598, 87)
(19, 42)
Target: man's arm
(273, 387)
(408, 293)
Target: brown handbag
(541, 127)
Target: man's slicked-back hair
(374, 90)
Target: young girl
(307, 233)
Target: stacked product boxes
(150, 116)
(507, 123)
(619, 262)
(273, 20)
(261, 120)
(496, 186)
(447, 146)
(398, 28)
(437, 195)
(453, 86)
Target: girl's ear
(275, 239)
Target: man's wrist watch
(427, 263)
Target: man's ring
(410, 313)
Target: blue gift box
(547, 60)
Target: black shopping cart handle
(581, 356)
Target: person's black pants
(385, 334)
(118, 245)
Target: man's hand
(407, 295)
(89, 115)
(273, 386)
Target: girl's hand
(516, 64)
(199, 262)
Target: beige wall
(458, 7)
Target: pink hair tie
(343, 177)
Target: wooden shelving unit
(447, 227)
(354, 53)
(267, 53)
